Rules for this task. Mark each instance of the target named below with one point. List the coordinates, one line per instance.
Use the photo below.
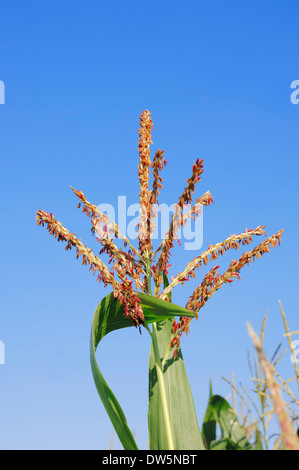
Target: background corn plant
(255, 407)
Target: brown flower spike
(145, 139)
(141, 265)
(122, 291)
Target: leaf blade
(156, 309)
(108, 317)
(231, 429)
(186, 432)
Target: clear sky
(216, 77)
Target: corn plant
(141, 297)
(271, 396)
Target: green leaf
(211, 389)
(221, 444)
(109, 316)
(219, 412)
(225, 444)
(184, 424)
(258, 440)
(209, 425)
(166, 284)
(155, 309)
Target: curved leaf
(209, 426)
(225, 444)
(109, 316)
(155, 309)
(219, 411)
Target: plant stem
(162, 389)
(159, 369)
(148, 273)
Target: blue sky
(216, 77)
